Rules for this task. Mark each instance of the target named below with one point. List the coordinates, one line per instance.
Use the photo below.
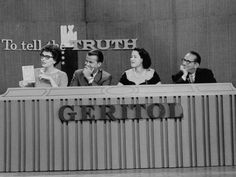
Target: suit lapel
(98, 76)
(83, 80)
(196, 76)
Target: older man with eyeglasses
(190, 71)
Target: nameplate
(120, 112)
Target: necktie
(191, 78)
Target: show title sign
(120, 112)
(113, 44)
(69, 39)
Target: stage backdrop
(168, 29)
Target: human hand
(25, 83)
(87, 71)
(45, 77)
(48, 78)
(185, 71)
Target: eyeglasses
(45, 56)
(187, 61)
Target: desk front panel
(33, 138)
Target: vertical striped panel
(116, 140)
(71, 139)
(27, 141)
(43, 136)
(180, 138)
(37, 136)
(171, 129)
(2, 135)
(227, 119)
(195, 150)
(14, 136)
(34, 139)
(207, 139)
(213, 131)
(87, 143)
(66, 141)
(58, 141)
(220, 130)
(166, 138)
(100, 145)
(208, 130)
(143, 141)
(50, 131)
(233, 113)
(95, 146)
(8, 136)
(115, 164)
(186, 132)
(128, 144)
(162, 143)
(158, 150)
(128, 129)
(151, 138)
(200, 132)
(204, 130)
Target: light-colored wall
(166, 28)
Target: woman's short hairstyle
(145, 56)
(55, 50)
(97, 53)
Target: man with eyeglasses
(91, 74)
(190, 71)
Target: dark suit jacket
(101, 78)
(202, 75)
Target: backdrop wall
(167, 29)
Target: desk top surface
(119, 91)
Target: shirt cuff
(184, 77)
(91, 79)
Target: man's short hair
(97, 53)
(198, 57)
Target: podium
(117, 127)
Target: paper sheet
(28, 73)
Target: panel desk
(117, 127)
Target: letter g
(70, 116)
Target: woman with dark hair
(48, 75)
(140, 72)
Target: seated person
(91, 74)
(140, 72)
(48, 75)
(190, 71)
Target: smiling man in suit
(91, 74)
(190, 71)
